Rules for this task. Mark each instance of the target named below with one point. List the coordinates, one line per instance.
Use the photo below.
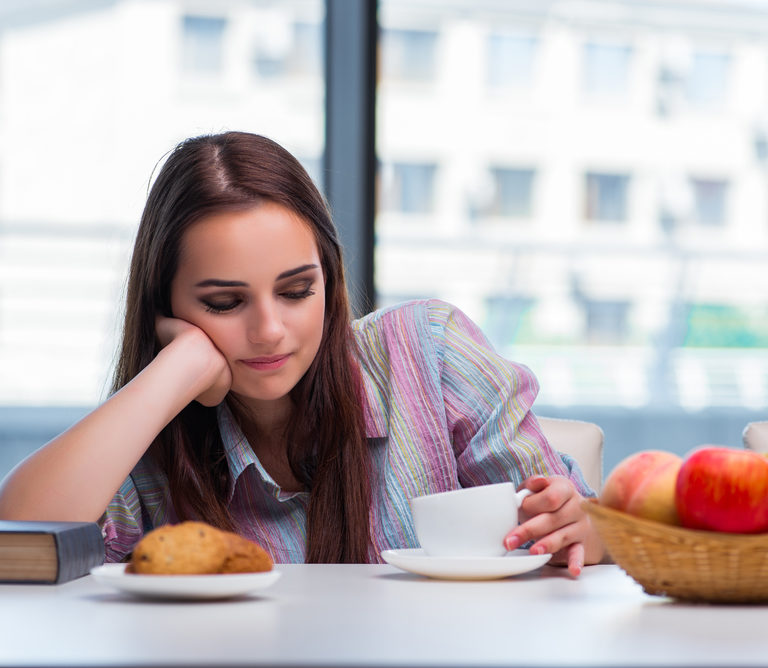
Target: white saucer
(188, 587)
(465, 568)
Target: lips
(266, 362)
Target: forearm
(74, 476)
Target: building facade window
(298, 53)
(606, 70)
(202, 44)
(709, 201)
(409, 55)
(511, 60)
(706, 83)
(606, 321)
(606, 198)
(512, 193)
(409, 187)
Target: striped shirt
(442, 411)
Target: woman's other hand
(557, 524)
(215, 376)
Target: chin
(262, 394)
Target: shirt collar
(240, 455)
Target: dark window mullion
(351, 29)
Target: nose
(265, 324)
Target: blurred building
(588, 181)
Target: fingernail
(537, 549)
(512, 542)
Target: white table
(335, 615)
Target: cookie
(196, 548)
(181, 549)
(245, 556)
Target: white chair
(755, 436)
(581, 440)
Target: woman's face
(252, 281)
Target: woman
(245, 397)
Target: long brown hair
(326, 437)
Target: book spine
(78, 550)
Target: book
(48, 552)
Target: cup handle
(519, 496)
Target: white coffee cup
(468, 522)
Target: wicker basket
(704, 566)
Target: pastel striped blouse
(442, 411)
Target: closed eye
(221, 306)
(296, 290)
(301, 294)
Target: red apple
(723, 489)
(643, 484)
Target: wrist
(196, 361)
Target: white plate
(465, 568)
(191, 587)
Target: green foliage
(722, 326)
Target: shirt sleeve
(488, 401)
(121, 523)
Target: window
(409, 187)
(554, 120)
(709, 201)
(606, 197)
(308, 48)
(606, 321)
(202, 44)
(408, 55)
(512, 193)
(511, 60)
(606, 70)
(293, 51)
(707, 80)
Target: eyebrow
(221, 283)
(297, 270)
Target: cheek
(311, 325)
(319, 322)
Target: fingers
(572, 556)
(553, 540)
(538, 483)
(549, 494)
(551, 531)
(557, 524)
(575, 559)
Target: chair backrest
(755, 436)
(581, 440)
